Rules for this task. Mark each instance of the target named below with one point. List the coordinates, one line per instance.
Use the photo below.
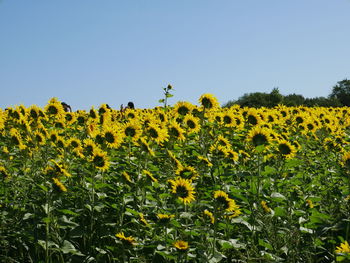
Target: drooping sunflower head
(59, 185)
(128, 241)
(188, 172)
(39, 138)
(164, 218)
(259, 136)
(183, 189)
(175, 131)
(208, 101)
(210, 215)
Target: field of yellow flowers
(186, 183)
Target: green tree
(341, 92)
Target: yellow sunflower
(183, 189)
(100, 159)
(210, 215)
(150, 175)
(157, 133)
(224, 202)
(208, 101)
(164, 218)
(346, 160)
(188, 172)
(181, 245)
(265, 207)
(259, 136)
(126, 240)
(192, 123)
(175, 131)
(286, 149)
(58, 184)
(54, 108)
(132, 130)
(344, 248)
(183, 108)
(112, 136)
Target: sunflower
(183, 189)
(70, 117)
(181, 245)
(176, 131)
(224, 202)
(34, 112)
(88, 147)
(54, 108)
(74, 143)
(143, 219)
(346, 160)
(344, 248)
(232, 155)
(210, 215)
(150, 175)
(132, 130)
(39, 138)
(265, 207)
(183, 108)
(229, 119)
(146, 147)
(157, 133)
(286, 149)
(4, 174)
(100, 159)
(93, 114)
(16, 138)
(164, 218)
(112, 137)
(59, 185)
(221, 140)
(187, 172)
(126, 240)
(252, 117)
(208, 101)
(126, 176)
(204, 160)
(259, 136)
(192, 123)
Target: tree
(341, 92)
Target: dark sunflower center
(284, 149)
(191, 124)
(99, 161)
(130, 131)
(299, 120)
(110, 137)
(52, 109)
(227, 119)
(153, 132)
(74, 144)
(183, 110)
(69, 117)
(223, 202)
(174, 132)
(206, 102)
(15, 140)
(259, 139)
(310, 126)
(182, 191)
(252, 120)
(33, 114)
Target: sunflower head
(128, 241)
(183, 108)
(181, 245)
(259, 136)
(183, 189)
(346, 160)
(286, 149)
(208, 101)
(100, 159)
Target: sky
(89, 52)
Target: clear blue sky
(89, 52)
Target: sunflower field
(181, 183)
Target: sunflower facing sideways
(286, 149)
(183, 189)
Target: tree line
(340, 96)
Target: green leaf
(68, 212)
(265, 244)
(279, 211)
